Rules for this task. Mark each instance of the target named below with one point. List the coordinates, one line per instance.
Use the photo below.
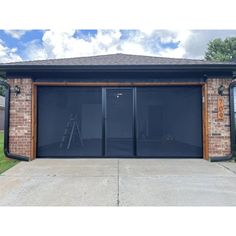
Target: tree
(2, 89)
(221, 50)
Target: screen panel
(169, 121)
(69, 121)
(119, 122)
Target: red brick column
(218, 130)
(20, 117)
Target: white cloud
(8, 54)
(17, 34)
(179, 37)
(153, 42)
(56, 44)
(35, 51)
(62, 44)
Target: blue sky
(18, 45)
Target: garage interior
(119, 121)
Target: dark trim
(120, 157)
(135, 121)
(234, 74)
(222, 158)
(232, 120)
(76, 68)
(103, 122)
(6, 126)
(104, 109)
(118, 84)
(118, 76)
(205, 121)
(34, 130)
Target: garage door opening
(161, 121)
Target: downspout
(6, 126)
(222, 158)
(232, 124)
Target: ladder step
(71, 126)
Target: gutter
(6, 126)
(224, 158)
(141, 67)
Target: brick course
(218, 130)
(20, 117)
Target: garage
(119, 106)
(119, 121)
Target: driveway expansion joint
(118, 183)
(227, 168)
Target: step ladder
(72, 126)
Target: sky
(21, 45)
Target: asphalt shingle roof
(116, 59)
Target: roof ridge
(114, 59)
(105, 55)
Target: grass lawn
(5, 163)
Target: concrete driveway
(123, 182)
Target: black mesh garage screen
(161, 121)
(169, 121)
(69, 121)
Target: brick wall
(20, 117)
(218, 130)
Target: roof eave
(75, 68)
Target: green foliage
(2, 89)
(221, 50)
(5, 163)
